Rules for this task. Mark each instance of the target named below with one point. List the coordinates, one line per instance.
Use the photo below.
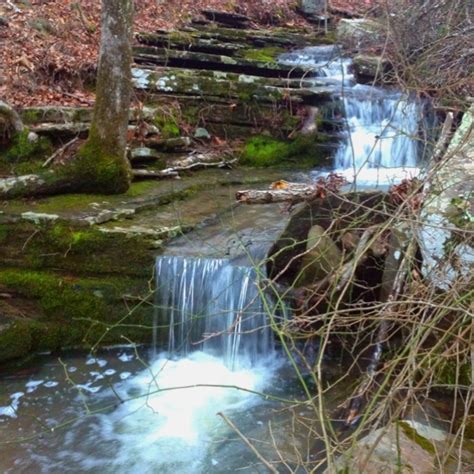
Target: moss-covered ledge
(44, 311)
(61, 245)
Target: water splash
(213, 305)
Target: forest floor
(49, 47)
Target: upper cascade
(381, 126)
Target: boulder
(358, 33)
(408, 446)
(321, 257)
(371, 68)
(312, 7)
(386, 451)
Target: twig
(248, 443)
(59, 152)
(443, 137)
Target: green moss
(262, 151)
(71, 312)
(24, 149)
(421, 441)
(31, 116)
(168, 125)
(267, 55)
(15, 341)
(95, 170)
(54, 295)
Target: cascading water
(161, 416)
(213, 305)
(380, 144)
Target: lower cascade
(213, 305)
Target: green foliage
(23, 149)
(168, 125)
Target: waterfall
(215, 306)
(379, 139)
(381, 131)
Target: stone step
(152, 55)
(242, 87)
(233, 20)
(277, 37)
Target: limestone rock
(394, 452)
(322, 256)
(447, 215)
(312, 7)
(358, 32)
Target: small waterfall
(213, 306)
(381, 131)
(380, 142)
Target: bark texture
(101, 164)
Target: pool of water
(125, 411)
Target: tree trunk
(102, 164)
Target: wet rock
(357, 33)
(151, 55)
(202, 133)
(312, 7)
(447, 215)
(371, 69)
(321, 257)
(384, 451)
(345, 210)
(37, 217)
(144, 154)
(227, 86)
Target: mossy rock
(268, 55)
(263, 151)
(79, 250)
(73, 312)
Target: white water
(213, 305)
(380, 143)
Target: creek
(142, 409)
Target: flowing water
(380, 138)
(132, 409)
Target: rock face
(286, 255)
(393, 452)
(447, 215)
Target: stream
(121, 411)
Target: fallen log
(44, 183)
(200, 160)
(155, 174)
(187, 164)
(282, 191)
